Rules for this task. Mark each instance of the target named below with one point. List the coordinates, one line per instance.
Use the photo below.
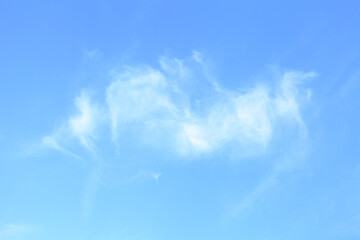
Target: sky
(157, 120)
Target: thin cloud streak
(51, 142)
(293, 159)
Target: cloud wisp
(144, 174)
(180, 106)
(81, 128)
(204, 117)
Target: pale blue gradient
(179, 120)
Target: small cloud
(156, 176)
(144, 174)
(197, 56)
(196, 137)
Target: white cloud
(195, 135)
(81, 128)
(246, 117)
(139, 96)
(184, 109)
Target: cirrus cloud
(180, 107)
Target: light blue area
(67, 174)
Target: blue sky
(179, 120)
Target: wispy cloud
(180, 102)
(52, 142)
(144, 174)
(202, 122)
(140, 96)
(81, 128)
(83, 125)
(181, 107)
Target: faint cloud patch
(292, 161)
(197, 56)
(145, 174)
(15, 231)
(92, 54)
